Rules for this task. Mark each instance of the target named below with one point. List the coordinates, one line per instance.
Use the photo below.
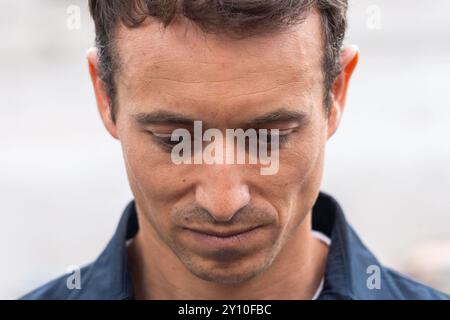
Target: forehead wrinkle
(236, 86)
(227, 95)
(203, 66)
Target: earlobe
(349, 61)
(101, 96)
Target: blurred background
(62, 180)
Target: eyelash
(165, 142)
(168, 144)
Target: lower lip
(241, 239)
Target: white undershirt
(327, 241)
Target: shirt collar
(109, 275)
(345, 275)
(348, 258)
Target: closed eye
(165, 140)
(282, 135)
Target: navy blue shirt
(352, 271)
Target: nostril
(223, 203)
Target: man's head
(230, 64)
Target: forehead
(181, 67)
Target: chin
(229, 273)
(226, 277)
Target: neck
(294, 274)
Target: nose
(222, 192)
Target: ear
(349, 60)
(101, 96)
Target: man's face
(182, 73)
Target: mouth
(223, 234)
(217, 239)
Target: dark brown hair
(235, 17)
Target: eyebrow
(162, 117)
(280, 115)
(169, 118)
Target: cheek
(153, 180)
(300, 164)
(292, 191)
(300, 160)
(150, 170)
